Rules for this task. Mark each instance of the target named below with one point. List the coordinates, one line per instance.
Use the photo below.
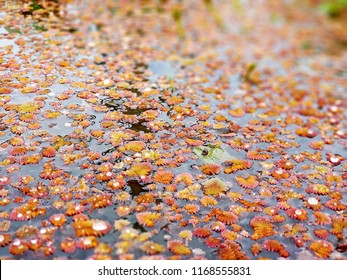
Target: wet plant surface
(170, 130)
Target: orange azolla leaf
(163, 176)
(51, 114)
(226, 217)
(27, 211)
(68, 245)
(212, 242)
(134, 146)
(5, 239)
(57, 220)
(230, 250)
(297, 214)
(16, 141)
(150, 115)
(229, 234)
(91, 227)
(145, 198)
(275, 246)
(201, 232)
(237, 113)
(186, 178)
(194, 142)
(18, 130)
(211, 169)
(214, 187)
(151, 248)
(293, 230)
(208, 201)
(339, 223)
(140, 169)
(105, 176)
(18, 247)
(97, 133)
(186, 194)
(256, 155)
(28, 117)
(256, 249)
(306, 132)
(318, 189)
(278, 219)
(262, 227)
(317, 145)
(74, 209)
(322, 248)
(218, 226)
(321, 218)
(178, 248)
(49, 152)
(250, 182)
(148, 219)
(234, 165)
(87, 242)
(279, 173)
(191, 208)
(312, 203)
(123, 196)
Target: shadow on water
(135, 188)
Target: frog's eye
(204, 152)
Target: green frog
(210, 153)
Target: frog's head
(209, 153)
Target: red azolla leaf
(226, 217)
(49, 152)
(335, 205)
(194, 142)
(321, 233)
(275, 246)
(211, 169)
(230, 250)
(250, 182)
(201, 232)
(298, 214)
(212, 242)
